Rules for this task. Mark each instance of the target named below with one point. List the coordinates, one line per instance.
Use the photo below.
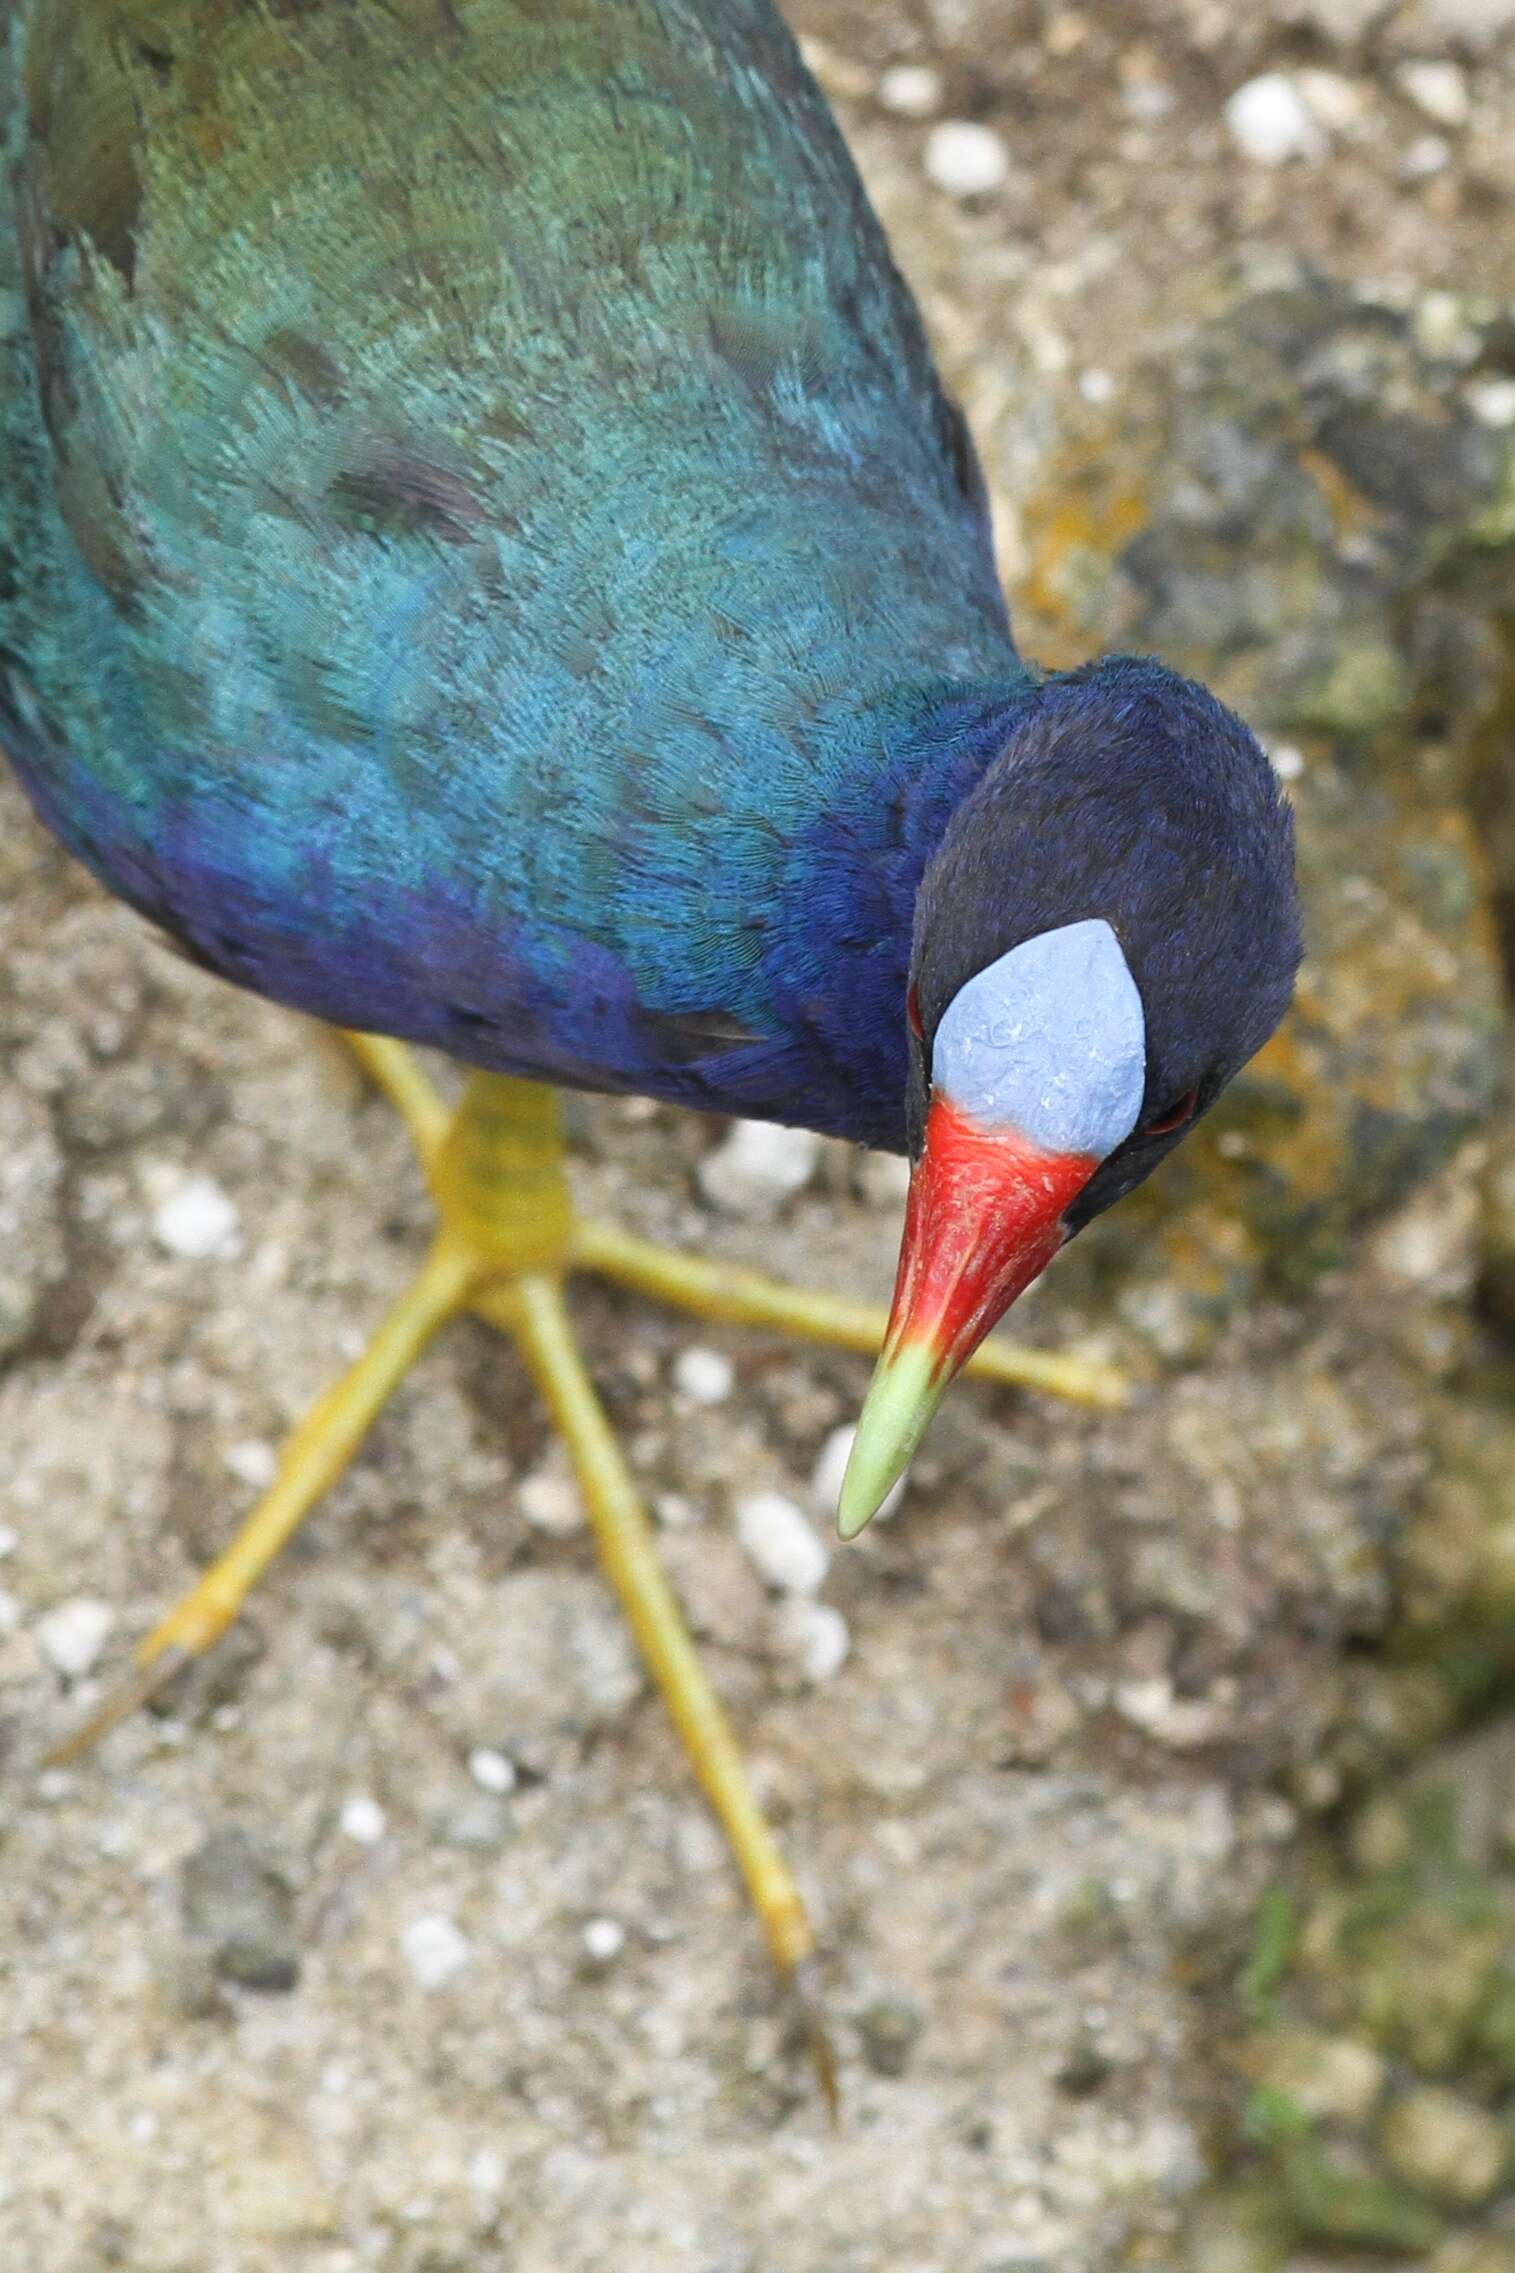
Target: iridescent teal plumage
(484, 553)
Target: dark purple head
(1107, 933)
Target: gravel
(757, 1167)
(1272, 123)
(435, 1949)
(966, 159)
(705, 1377)
(195, 1219)
(781, 1543)
(73, 1635)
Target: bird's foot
(507, 1235)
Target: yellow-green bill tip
(905, 1391)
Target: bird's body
(484, 553)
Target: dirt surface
(401, 1940)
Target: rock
(363, 1820)
(73, 1635)
(193, 1218)
(239, 1906)
(1338, 103)
(549, 1497)
(490, 1770)
(435, 1949)
(966, 159)
(604, 1940)
(889, 2029)
(1492, 401)
(1271, 123)
(812, 1636)
(756, 1167)
(1437, 86)
(1446, 2147)
(1333, 2078)
(1428, 154)
(780, 1542)
(705, 1377)
(911, 90)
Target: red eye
(1175, 1116)
(913, 1014)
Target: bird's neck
(838, 963)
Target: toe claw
(810, 2007)
(149, 1681)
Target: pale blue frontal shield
(1050, 1040)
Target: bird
(488, 561)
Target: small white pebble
(435, 1949)
(1147, 100)
(1337, 103)
(364, 1820)
(813, 1636)
(491, 1770)
(1437, 87)
(780, 1542)
(196, 1221)
(826, 1476)
(1428, 154)
(966, 159)
(550, 1501)
(253, 1463)
(911, 90)
(756, 1167)
(9, 1541)
(1271, 123)
(705, 1377)
(10, 1612)
(1441, 327)
(1492, 402)
(73, 1635)
(604, 1938)
(1288, 760)
(1096, 386)
(676, 1512)
(487, 2172)
(54, 1784)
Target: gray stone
(236, 1904)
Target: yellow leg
(734, 1296)
(532, 1308)
(314, 1457)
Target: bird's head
(1107, 933)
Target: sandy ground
(289, 1979)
